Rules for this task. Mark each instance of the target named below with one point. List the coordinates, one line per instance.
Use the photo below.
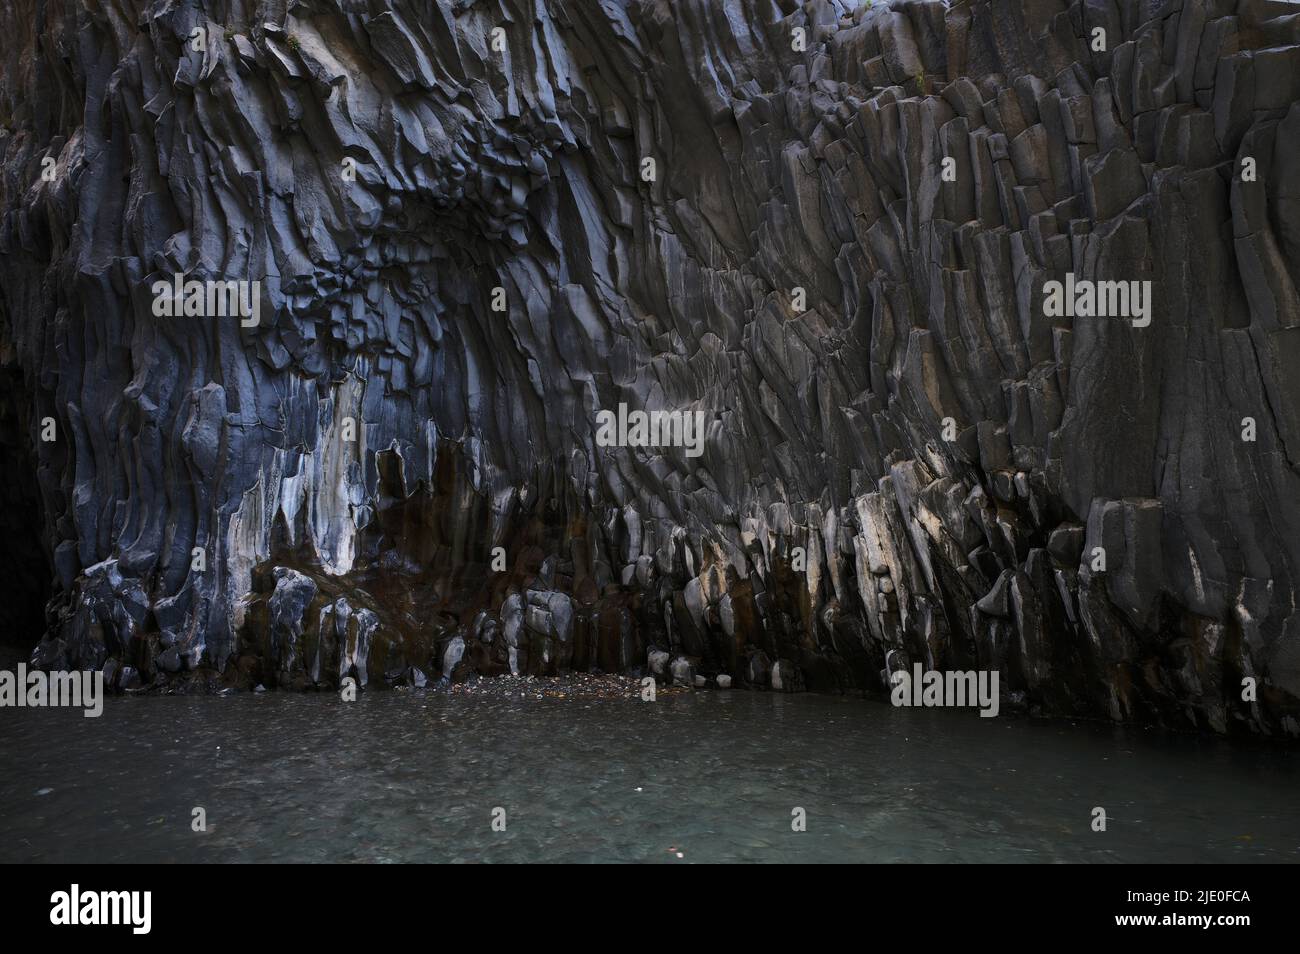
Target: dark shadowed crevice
(25, 569)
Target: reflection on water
(409, 776)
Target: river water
(707, 777)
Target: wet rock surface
(464, 256)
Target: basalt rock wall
(827, 228)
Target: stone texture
(782, 176)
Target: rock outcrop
(461, 231)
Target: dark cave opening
(26, 573)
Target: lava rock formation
(827, 227)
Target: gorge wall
(469, 243)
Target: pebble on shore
(570, 686)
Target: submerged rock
(452, 655)
(657, 660)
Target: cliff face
(830, 228)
